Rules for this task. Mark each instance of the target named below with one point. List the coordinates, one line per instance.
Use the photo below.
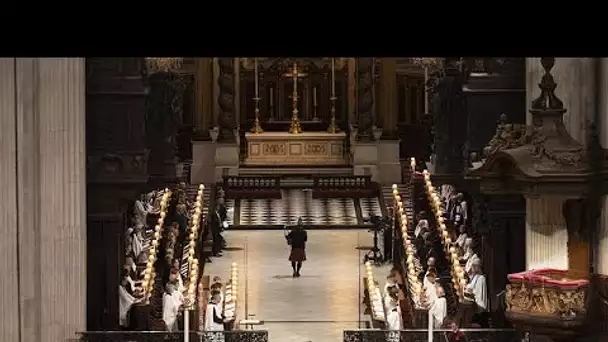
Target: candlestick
(271, 114)
(333, 77)
(315, 105)
(255, 62)
(257, 128)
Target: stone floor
(316, 307)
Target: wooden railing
(344, 186)
(237, 187)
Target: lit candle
(314, 96)
(271, 96)
(255, 63)
(333, 77)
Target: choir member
(140, 210)
(125, 302)
(393, 321)
(476, 287)
(462, 236)
(439, 309)
(390, 282)
(171, 303)
(214, 321)
(137, 239)
(219, 288)
(430, 287)
(469, 255)
(461, 210)
(423, 224)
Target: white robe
(393, 319)
(431, 291)
(171, 304)
(210, 325)
(140, 213)
(472, 257)
(477, 286)
(137, 244)
(461, 239)
(439, 310)
(125, 302)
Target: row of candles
(193, 263)
(458, 276)
(375, 296)
(412, 274)
(147, 284)
(231, 292)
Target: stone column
(48, 255)
(203, 117)
(601, 250)
(546, 233)
(9, 244)
(387, 99)
(575, 79)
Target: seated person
(462, 236)
(476, 288)
(430, 287)
(423, 224)
(172, 300)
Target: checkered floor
(299, 203)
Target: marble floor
(316, 307)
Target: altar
(307, 148)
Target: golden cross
(294, 73)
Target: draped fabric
(125, 302)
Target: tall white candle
(255, 62)
(333, 77)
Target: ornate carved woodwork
(534, 157)
(498, 89)
(227, 115)
(365, 99)
(116, 173)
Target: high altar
(283, 148)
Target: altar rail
(164, 336)
(237, 187)
(439, 335)
(344, 186)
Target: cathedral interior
(355, 199)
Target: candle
(333, 77)
(314, 96)
(295, 79)
(255, 62)
(271, 96)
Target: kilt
(297, 255)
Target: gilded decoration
(274, 149)
(316, 149)
(536, 299)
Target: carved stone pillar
(365, 100)
(546, 233)
(43, 111)
(576, 82)
(387, 99)
(203, 117)
(225, 99)
(116, 173)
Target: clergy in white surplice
(430, 288)
(213, 316)
(393, 321)
(125, 302)
(476, 288)
(439, 309)
(172, 300)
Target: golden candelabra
(295, 127)
(332, 121)
(257, 128)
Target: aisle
(320, 304)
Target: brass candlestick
(332, 121)
(295, 127)
(257, 128)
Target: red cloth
(297, 255)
